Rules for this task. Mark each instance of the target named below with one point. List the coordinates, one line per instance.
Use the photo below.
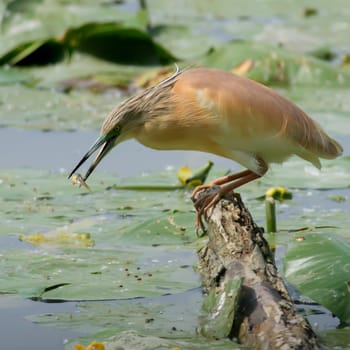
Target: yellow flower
(187, 177)
(79, 347)
(95, 345)
(278, 193)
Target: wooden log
(264, 315)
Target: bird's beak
(107, 143)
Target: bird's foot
(204, 202)
(198, 189)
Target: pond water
(18, 333)
(60, 151)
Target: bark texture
(264, 317)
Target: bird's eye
(114, 132)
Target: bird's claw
(201, 230)
(197, 190)
(203, 204)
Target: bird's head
(127, 119)
(118, 126)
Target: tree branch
(263, 315)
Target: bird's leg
(226, 184)
(232, 181)
(219, 181)
(212, 199)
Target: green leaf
(38, 52)
(164, 229)
(336, 338)
(10, 76)
(128, 259)
(45, 109)
(96, 274)
(319, 267)
(30, 21)
(109, 41)
(297, 173)
(116, 43)
(276, 66)
(200, 175)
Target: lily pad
(164, 229)
(319, 267)
(107, 270)
(276, 66)
(37, 52)
(95, 274)
(14, 76)
(59, 238)
(161, 323)
(275, 23)
(31, 21)
(339, 338)
(299, 174)
(117, 43)
(109, 41)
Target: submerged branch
(261, 312)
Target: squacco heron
(218, 112)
